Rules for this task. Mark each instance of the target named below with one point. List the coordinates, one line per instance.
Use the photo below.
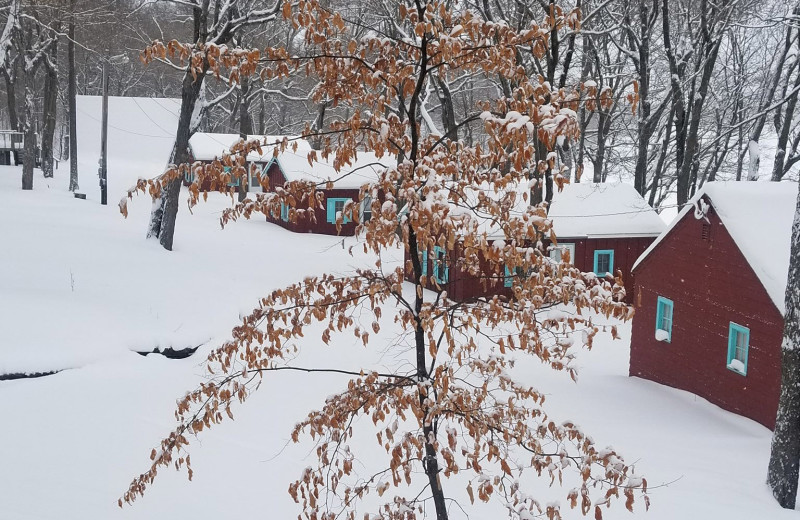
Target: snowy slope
(71, 442)
(141, 134)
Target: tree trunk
(165, 209)
(72, 94)
(245, 129)
(29, 147)
(784, 461)
(11, 97)
(49, 115)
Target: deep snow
(80, 288)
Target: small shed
(344, 186)
(603, 227)
(206, 146)
(710, 298)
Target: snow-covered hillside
(81, 289)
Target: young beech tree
(458, 414)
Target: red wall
(626, 251)
(305, 225)
(710, 284)
(463, 286)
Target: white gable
(758, 216)
(602, 210)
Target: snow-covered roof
(365, 168)
(602, 210)
(207, 146)
(758, 216)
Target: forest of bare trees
(675, 93)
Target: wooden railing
(11, 140)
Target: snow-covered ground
(80, 289)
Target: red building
(710, 298)
(292, 165)
(204, 147)
(346, 183)
(604, 227)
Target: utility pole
(104, 139)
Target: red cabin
(294, 166)
(710, 298)
(604, 227)
(204, 147)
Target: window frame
(661, 304)
(610, 253)
(284, 212)
(437, 264)
(734, 329)
(365, 209)
(560, 246)
(228, 169)
(330, 209)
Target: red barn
(294, 166)
(604, 227)
(710, 298)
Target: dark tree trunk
(245, 129)
(29, 127)
(165, 209)
(784, 461)
(448, 109)
(49, 113)
(72, 94)
(11, 97)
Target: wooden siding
(626, 251)
(305, 225)
(464, 286)
(711, 284)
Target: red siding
(711, 284)
(626, 251)
(463, 286)
(305, 225)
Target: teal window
(738, 347)
(284, 212)
(508, 279)
(188, 176)
(441, 271)
(508, 275)
(664, 319)
(603, 262)
(334, 207)
(425, 263)
(234, 179)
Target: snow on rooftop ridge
(758, 216)
(207, 146)
(586, 210)
(602, 210)
(364, 169)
